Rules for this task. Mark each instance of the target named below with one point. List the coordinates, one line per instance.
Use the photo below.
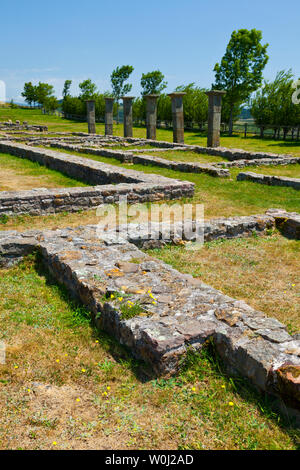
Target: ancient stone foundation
(269, 180)
(112, 182)
(181, 313)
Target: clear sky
(69, 39)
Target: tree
(66, 90)
(240, 70)
(118, 78)
(153, 82)
(29, 93)
(164, 108)
(51, 104)
(44, 91)
(88, 90)
(195, 104)
(272, 106)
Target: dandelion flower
(193, 389)
(57, 360)
(16, 367)
(222, 386)
(108, 388)
(54, 443)
(77, 399)
(231, 403)
(83, 370)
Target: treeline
(273, 107)
(41, 95)
(239, 73)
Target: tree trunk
(262, 132)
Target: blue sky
(58, 40)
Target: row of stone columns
(214, 116)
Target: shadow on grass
(194, 366)
(197, 364)
(82, 317)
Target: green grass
(292, 171)
(180, 156)
(56, 124)
(262, 271)
(67, 386)
(225, 196)
(25, 174)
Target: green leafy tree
(88, 90)
(240, 70)
(29, 93)
(44, 91)
(272, 105)
(66, 90)
(119, 88)
(153, 83)
(195, 104)
(164, 109)
(51, 104)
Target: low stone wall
(181, 313)
(129, 157)
(287, 222)
(114, 181)
(156, 235)
(231, 154)
(17, 126)
(269, 180)
(259, 162)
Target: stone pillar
(214, 117)
(151, 114)
(91, 119)
(109, 115)
(127, 110)
(177, 114)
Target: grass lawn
(55, 124)
(262, 271)
(67, 386)
(180, 156)
(17, 174)
(222, 197)
(292, 171)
